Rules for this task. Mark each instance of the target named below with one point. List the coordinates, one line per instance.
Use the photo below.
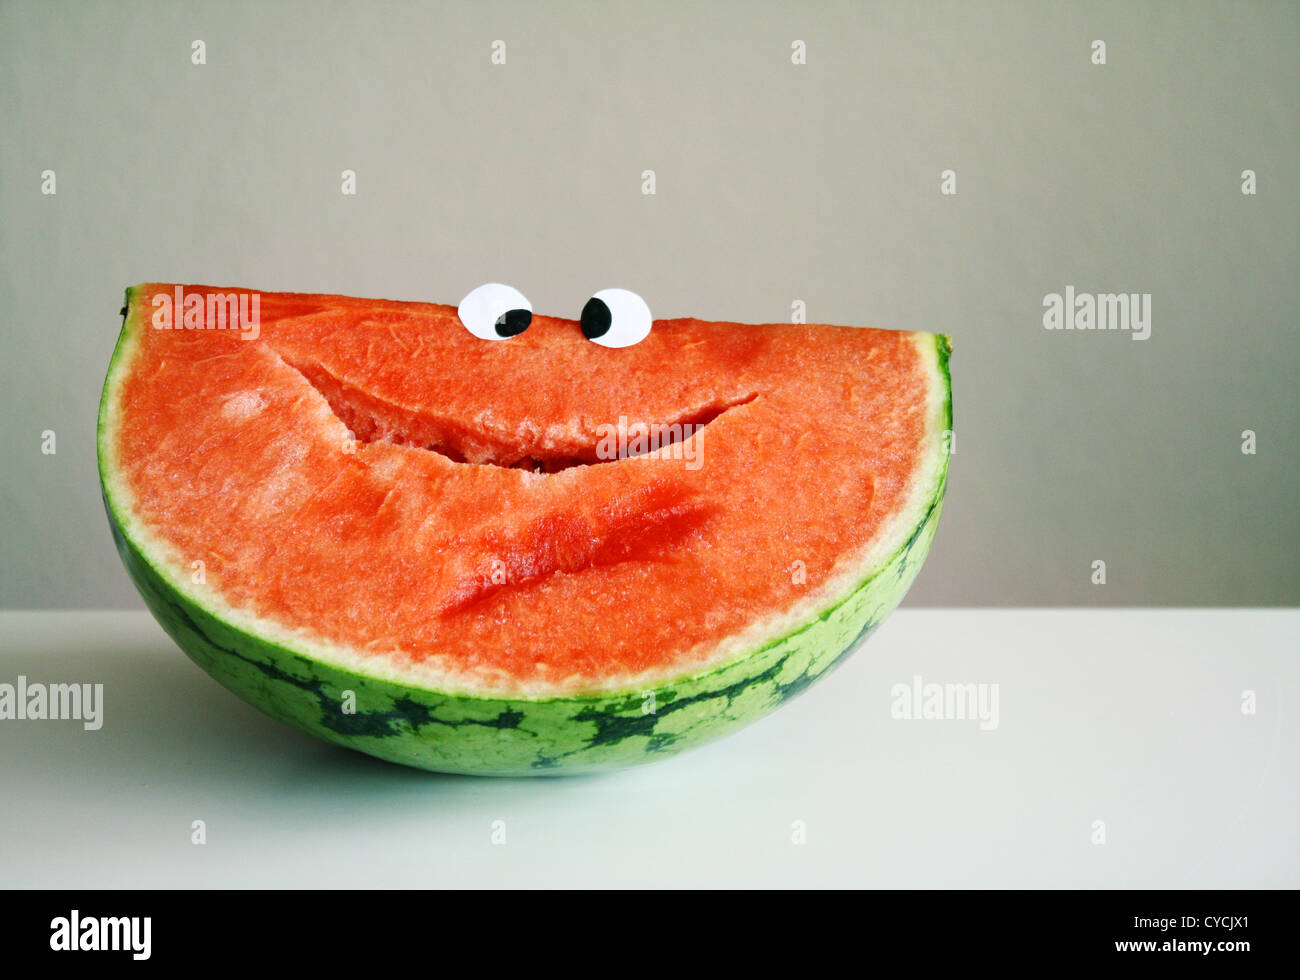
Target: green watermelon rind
(464, 733)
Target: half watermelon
(537, 555)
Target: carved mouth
(371, 419)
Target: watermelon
(538, 555)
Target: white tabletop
(1123, 725)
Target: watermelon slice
(471, 557)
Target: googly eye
(616, 318)
(495, 312)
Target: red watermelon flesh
(433, 538)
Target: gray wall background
(776, 182)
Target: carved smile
(372, 419)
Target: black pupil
(596, 319)
(511, 323)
